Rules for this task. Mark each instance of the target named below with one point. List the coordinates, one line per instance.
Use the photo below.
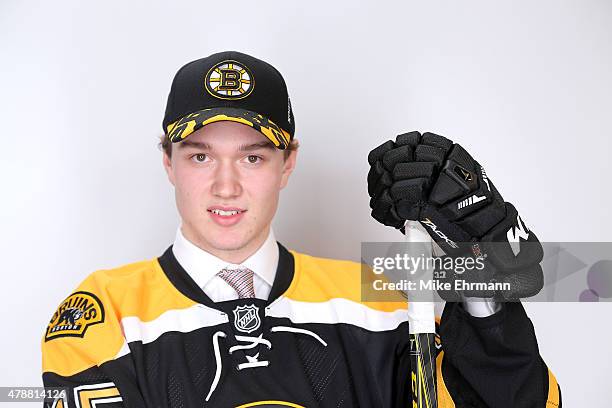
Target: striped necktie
(241, 280)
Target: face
(227, 178)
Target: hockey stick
(421, 317)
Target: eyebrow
(255, 146)
(197, 145)
(243, 148)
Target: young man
(228, 317)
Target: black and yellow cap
(229, 86)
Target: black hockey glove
(430, 179)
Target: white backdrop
(524, 85)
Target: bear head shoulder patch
(74, 315)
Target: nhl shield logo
(246, 318)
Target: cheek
(264, 184)
(190, 188)
(264, 190)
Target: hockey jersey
(145, 335)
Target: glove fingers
(404, 171)
(378, 180)
(410, 138)
(378, 152)
(374, 174)
(407, 194)
(433, 148)
(432, 139)
(384, 212)
(402, 154)
(407, 210)
(425, 153)
(394, 219)
(410, 190)
(381, 206)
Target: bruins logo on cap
(229, 79)
(72, 318)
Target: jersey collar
(187, 286)
(202, 266)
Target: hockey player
(229, 317)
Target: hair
(165, 145)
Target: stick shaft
(422, 334)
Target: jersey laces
(250, 343)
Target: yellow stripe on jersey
(553, 391)
(321, 279)
(145, 291)
(444, 398)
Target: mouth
(225, 213)
(226, 216)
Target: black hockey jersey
(145, 335)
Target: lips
(226, 216)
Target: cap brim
(192, 122)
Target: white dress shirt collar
(203, 266)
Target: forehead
(226, 134)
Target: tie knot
(240, 279)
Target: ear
(288, 167)
(167, 162)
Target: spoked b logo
(229, 79)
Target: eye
(199, 158)
(253, 159)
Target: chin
(228, 245)
(227, 241)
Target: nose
(226, 182)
